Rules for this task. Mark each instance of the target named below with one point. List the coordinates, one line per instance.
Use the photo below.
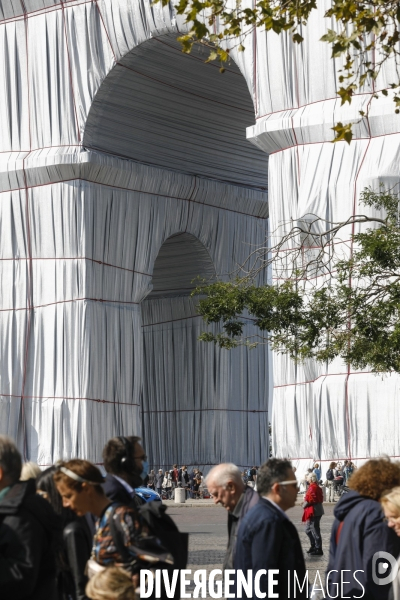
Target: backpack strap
(338, 532)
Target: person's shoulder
(115, 490)
(262, 512)
(111, 482)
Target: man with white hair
(225, 484)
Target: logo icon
(384, 568)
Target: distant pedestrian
(192, 478)
(175, 476)
(347, 470)
(159, 481)
(252, 475)
(183, 478)
(152, 478)
(359, 532)
(167, 484)
(317, 471)
(313, 511)
(267, 539)
(330, 480)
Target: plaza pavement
(207, 525)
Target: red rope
(28, 306)
(105, 29)
(172, 321)
(39, 11)
(284, 110)
(31, 308)
(98, 400)
(348, 424)
(99, 262)
(62, 2)
(181, 410)
(369, 138)
(321, 376)
(119, 187)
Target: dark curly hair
(375, 477)
(115, 450)
(272, 471)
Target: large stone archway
(137, 144)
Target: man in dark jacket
(126, 466)
(225, 484)
(29, 533)
(268, 540)
(358, 533)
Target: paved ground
(207, 542)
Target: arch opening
(181, 260)
(175, 389)
(161, 107)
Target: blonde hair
(30, 470)
(393, 496)
(111, 584)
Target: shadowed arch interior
(182, 258)
(162, 107)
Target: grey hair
(313, 477)
(223, 473)
(10, 459)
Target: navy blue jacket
(114, 490)
(268, 540)
(362, 535)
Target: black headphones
(126, 460)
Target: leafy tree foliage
(335, 299)
(366, 34)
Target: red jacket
(313, 496)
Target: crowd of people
(68, 533)
(165, 482)
(261, 536)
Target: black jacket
(267, 539)
(78, 543)
(183, 477)
(362, 535)
(29, 533)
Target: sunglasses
(391, 519)
(291, 482)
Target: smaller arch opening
(181, 260)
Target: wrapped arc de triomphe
(125, 173)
